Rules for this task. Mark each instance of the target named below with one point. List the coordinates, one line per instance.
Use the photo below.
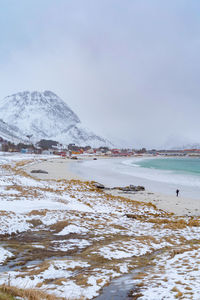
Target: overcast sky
(130, 69)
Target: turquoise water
(177, 165)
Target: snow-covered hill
(11, 133)
(46, 116)
(178, 142)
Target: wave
(134, 162)
(134, 165)
(131, 168)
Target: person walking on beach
(177, 192)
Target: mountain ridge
(44, 115)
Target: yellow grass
(30, 294)
(57, 227)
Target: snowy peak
(47, 101)
(39, 114)
(44, 115)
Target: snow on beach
(70, 239)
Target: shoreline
(59, 168)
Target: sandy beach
(178, 205)
(61, 169)
(57, 168)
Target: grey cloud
(130, 69)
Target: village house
(192, 152)
(48, 152)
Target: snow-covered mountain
(11, 133)
(187, 146)
(46, 116)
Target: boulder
(132, 216)
(99, 185)
(39, 171)
(131, 188)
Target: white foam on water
(158, 175)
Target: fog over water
(129, 69)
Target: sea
(158, 174)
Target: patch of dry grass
(41, 212)
(174, 223)
(40, 268)
(57, 227)
(30, 294)
(35, 222)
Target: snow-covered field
(70, 239)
